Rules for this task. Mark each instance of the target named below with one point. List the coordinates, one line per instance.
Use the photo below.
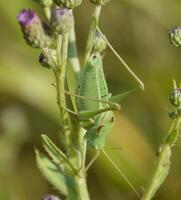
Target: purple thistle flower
(27, 17)
(35, 32)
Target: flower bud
(175, 36)
(45, 3)
(175, 97)
(62, 20)
(99, 43)
(100, 2)
(35, 32)
(68, 3)
(51, 197)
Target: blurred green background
(139, 31)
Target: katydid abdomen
(97, 134)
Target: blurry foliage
(139, 31)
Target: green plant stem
(72, 55)
(82, 187)
(163, 164)
(47, 11)
(59, 50)
(93, 28)
(65, 41)
(62, 50)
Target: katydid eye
(94, 57)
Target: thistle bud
(35, 32)
(100, 2)
(175, 36)
(51, 197)
(45, 3)
(99, 43)
(62, 20)
(68, 3)
(175, 97)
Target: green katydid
(94, 103)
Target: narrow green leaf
(160, 173)
(55, 153)
(64, 183)
(51, 172)
(174, 84)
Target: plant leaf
(51, 172)
(55, 153)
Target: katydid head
(95, 60)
